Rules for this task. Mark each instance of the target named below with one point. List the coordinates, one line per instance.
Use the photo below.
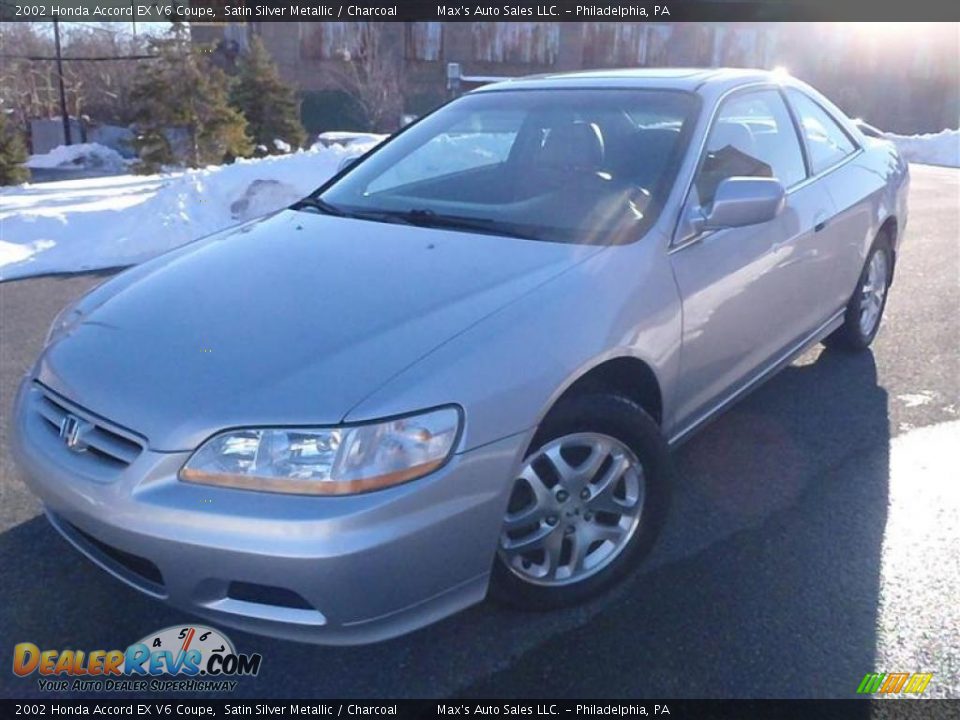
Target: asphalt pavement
(814, 537)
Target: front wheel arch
(624, 375)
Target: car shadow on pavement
(765, 583)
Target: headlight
(331, 461)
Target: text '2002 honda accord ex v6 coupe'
(457, 367)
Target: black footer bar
(485, 708)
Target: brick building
(903, 82)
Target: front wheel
(865, 309)
(586, 506)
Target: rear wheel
(865, 309)
(587, 503)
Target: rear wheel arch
(868, 299)
(889, 232)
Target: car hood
(292, 319)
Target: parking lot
(815, 537)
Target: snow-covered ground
(942, 148)
(95, 223)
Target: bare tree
(102, 89)
(370, 74)
(28, 79)
(26, 86)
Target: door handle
(820, 222)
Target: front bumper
(332, 570)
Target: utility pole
(63, 93)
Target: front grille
(111, 447)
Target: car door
(749, 294)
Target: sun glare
(890, 30)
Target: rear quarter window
(827, 142)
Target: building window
(658, 44)
(743, 47)
(614, 44)
(330, 40)
(424, 41)
(532, 43)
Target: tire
(859, 329)
(613, 528)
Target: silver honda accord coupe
(459, 366)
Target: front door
(746, 291)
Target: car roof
(689, 79)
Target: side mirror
(347, 162)
(741, 201)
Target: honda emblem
(70, 429)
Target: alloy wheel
(872, 293)
(575, 506)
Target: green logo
(888, 683)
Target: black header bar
(458, 11)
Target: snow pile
(94, 223)
(942, 148)
(88, 156)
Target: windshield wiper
(315, 203)
(421, 217)
(428, 218)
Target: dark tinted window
(827, 142)
(752, 136)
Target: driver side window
(752, 136)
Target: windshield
(586, 166)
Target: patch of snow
(342, 137)
(262, 197)
(82, 156)
(79, 225)
(942, 148)
(11, 252)
(282, 146)
(916, 399)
